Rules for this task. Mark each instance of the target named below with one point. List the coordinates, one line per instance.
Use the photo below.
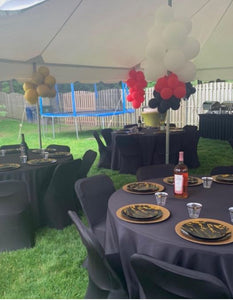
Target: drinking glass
(231, 213)
(45, 155)
(194, 209)
(23, 159)
(207, 182)
(161, 198)
(3, 152)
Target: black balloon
(164, 106)
(154, 102)
(189, 90)
(156, 94)
(174, 103)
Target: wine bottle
(181, 178)
(139, 123)
(23, 145)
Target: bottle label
(178, 184)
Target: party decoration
(136, 84)
(170, 48)
(41, 84)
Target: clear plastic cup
(207, 182)
(231, 213)
(161, 198)
(23, 159)
(194, 209)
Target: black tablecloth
(147, 139)
(37, 179)
(216, 126)
(160, 240)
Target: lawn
(53, 268)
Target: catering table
(160, 240)
(147, 141)
(37, 178)
(216, 126)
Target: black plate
(141, 212)
(225, 177)
(142, 187)
(205, 230)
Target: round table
(160, 240)
(37, 179)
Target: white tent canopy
(101, 40)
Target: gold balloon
(28, 85)
(37, 78)
(50, 81)
(43, 90)
(44, 71)
(31, 96)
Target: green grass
(53, 268)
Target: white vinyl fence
(188, 113)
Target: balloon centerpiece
(41, 84)
(168, 56)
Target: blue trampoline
(110, 107)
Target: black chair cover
(130, 125)
(16, 146)
(104, 152)
(87, 161)
(60, 195)
(103, 280)
(16, 223)
(107, 135)
(130, 153)
(222, 170)
(155, 171)
(189, 146)
(161, 280)
(93, 193)
(59, 148)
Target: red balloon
(179, 92)
(181, 84)
(130, 82)
(166, 93)
(161, 83)
(129, 98)
(140, 75)
(133, 74)
(131, 90)
(172, 82)
(136, 104)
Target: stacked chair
(105, 152)
(16, 222)
(93, 193)
(107, 135)
(162, 280)
(104, 281)
(155, 171)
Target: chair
(130, 153)
(230, 141)
(107, 135)
(130, 125)
(103, 280)
(16, 223)
(93, 193)
(59, 148)
(16, 146)
(222, 170)
(189, 146)
(155, 171)
(60, 195)
(87, 161)
(161, 280)
(104, 152)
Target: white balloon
(187, 73)
(164, 14)
(191, 47)
(174, 60)
(155, 49)
(187, 23)
(156, 30)
(154, 69)
(174, 34)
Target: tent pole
(38, 114)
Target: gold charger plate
(146, 188)
(199, 181)
(41, 162)
(215, 179)
(165, 214)
(8, 167)
(179, 225)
